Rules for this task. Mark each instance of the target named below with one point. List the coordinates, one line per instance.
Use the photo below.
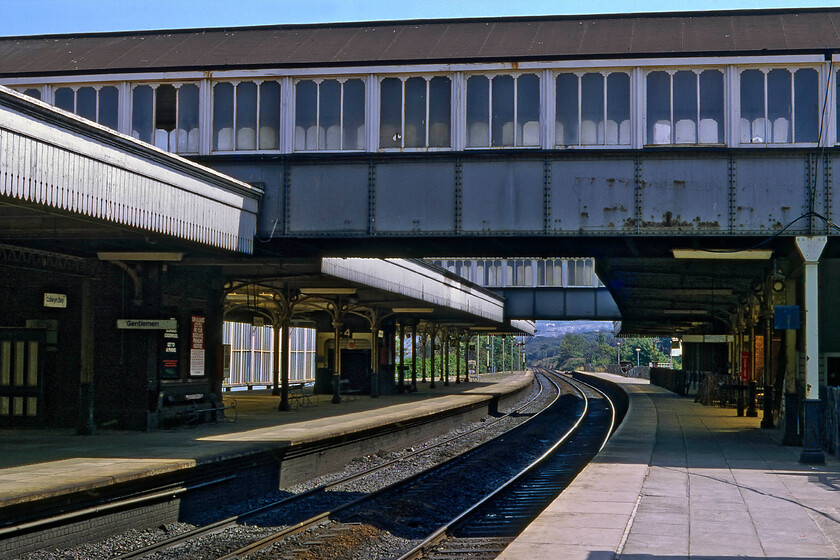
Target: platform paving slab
(712, 486)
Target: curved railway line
(325, 498)
(436, 502)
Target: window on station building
(329, 115)
(415, 112)
(246, 116)
(779, 106)
(684, 107)
(503, 110)
(166, 115)
(96, 103)
(592, 109)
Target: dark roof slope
(441, 41)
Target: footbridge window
(415, 112)
(329, 115)
(166, 115)
(592, 109)
(550, 272)
(503, 110)
(779, 106)
(96, 103)
(246, 116)
(685, 107)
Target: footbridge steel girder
(717, 192)
(559, 304)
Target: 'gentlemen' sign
(147, 324)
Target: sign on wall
(197, 336)
(57, 301)
(147, 324)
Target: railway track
(309, 507)
(485, 529)
(485, 482)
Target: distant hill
(562, 328)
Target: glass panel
(592, 109)
(65, 98)
(528, 110)
(415, 113)
(109, 100)
(503, 133)
(185, 138)
(4, 406)
(246, 116)
(752, 106)
(269, 116)
(31, 406)
(141, 113)
(306, 132)
(329, 107)
(440, 112)
(806, 93)
(541, 273)
(658, 108)
(223, 117)
(165, 108)
(5, 362)
(354, 115)
(711, 107)
(17, 406)
(390, 113)
(779, 106)
(685, 107)
(618, 108)
(566, 120)
(20, 358)
(32, 92)
(86, 103)
(478, 111)
(32, 365)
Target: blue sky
(30, 17)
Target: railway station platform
(679, 480)
(48, 464)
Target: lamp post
(618, 357)
(637, 356)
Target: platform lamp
(618, 352)
(637, 356)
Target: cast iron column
(337, 363)
(811, 248)
(284, 362)
(432, 358)
(401, 371)
(414, 357)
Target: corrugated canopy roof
(440, 41)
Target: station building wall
(129, 380)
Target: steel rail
(222, 524)
(443, 531)
(326, 516)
